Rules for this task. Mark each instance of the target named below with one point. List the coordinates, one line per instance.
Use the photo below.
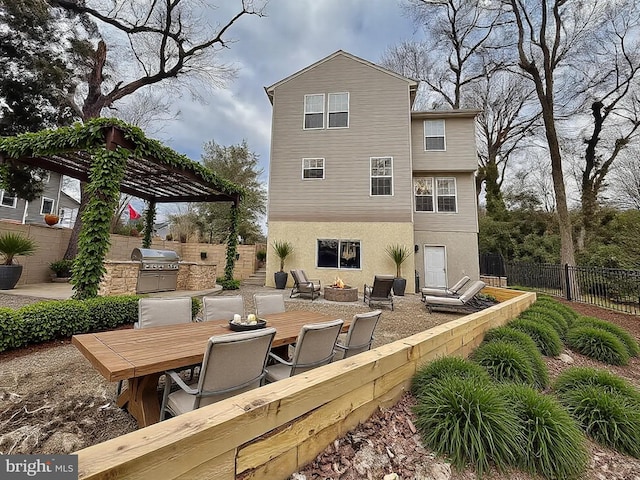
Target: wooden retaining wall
(273, 431)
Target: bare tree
(548, 31)
(626, 180)
(168, 42)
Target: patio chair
(380, 292)
(222, 307)
(454, 291)
(315, 346)
(303, 286)
(267, 303)
(156, 312)
(360, 335)
(232, 364)
(465, 303)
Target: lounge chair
(465, 303)
(380, 292)
(454, 291)
(267, 303)
(222, 307)
(315, 347)
(303, 286)
(232, 364)
(360, 335)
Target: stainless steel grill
(158, 270)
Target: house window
(341, 254)
(440, 199)
(381, 176)
(314, 111)
(423, 189)
(46, 207)
(338, 110)
(434, 135)
(7, 200)
(313, 168)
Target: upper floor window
(442, 198)
(46, 207)
(381, 175)
(313, 168)
(338, 110)
(314, 111)
(7, 200)
(434, 138)
(334, 253)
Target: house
(353, 169)
(53, 200)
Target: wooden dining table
(141, 356)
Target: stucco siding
(465, 220)
(461, 254)
(379, 126)
(460, 153)
(373, 237)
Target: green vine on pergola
(112, 157)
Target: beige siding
(379, 125)
(466, 220)
(460, 142)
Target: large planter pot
(51, 220)
(281, 279)
(9, 276)
(399, 286)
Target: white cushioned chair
(360, 335)
(267, 303)
(453, 291)
(222, 307)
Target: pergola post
(232, 242)
(149, 221)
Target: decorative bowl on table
(246, 326)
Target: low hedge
(49, 320)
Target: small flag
(133, 215)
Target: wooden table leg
(141, 399)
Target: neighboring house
(354, 170)
(53, 200)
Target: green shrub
(11, 329)
(546, 338)
(196, 306)
(569, 314)
(621, 333)
(554, 446)
(576, 377)
(55, 319)
(539, 317)
(468, 421)
(232, 284)
(505, 362)
(550, 313)
(598, 344)
(446, 367)
(261, 255)
(111, 312)
(609, 418)
(525, 342)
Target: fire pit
(339, 292)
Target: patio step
(257, 278)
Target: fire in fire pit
(338, 283)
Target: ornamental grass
(546, 338)
(598, 344)
(576, 377)
(505, 362)
(446, 367)
(621, 333)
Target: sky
(293, 35)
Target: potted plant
(61, 270)
(51, 219)
(398, 253)
(283, 250)
(11, 245)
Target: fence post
(567, 281)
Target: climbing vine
(149, 221)
(107, 171)
(232, 244)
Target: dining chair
(267, 303)
(157, 312)
(222, 307)
(233, 363)
(315, 347)
(359, 338)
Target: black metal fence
(492, 264)
(612, 288)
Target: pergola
(112, 157)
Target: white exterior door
(435, 267)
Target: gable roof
(413, 84)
